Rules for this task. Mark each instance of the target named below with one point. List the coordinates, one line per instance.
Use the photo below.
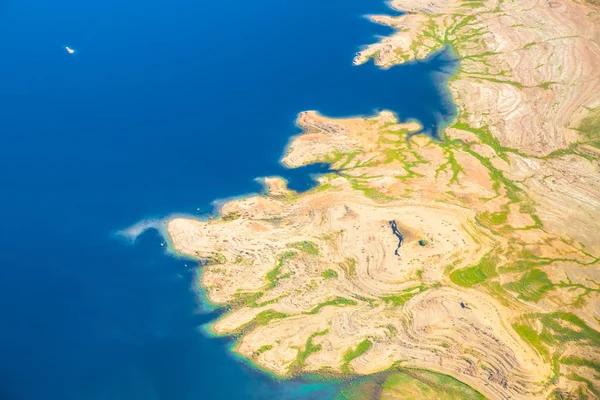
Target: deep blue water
(165, 107)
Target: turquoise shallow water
(164, 107)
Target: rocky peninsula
(476, 256)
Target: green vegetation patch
(532, 285)
(264, 317)
(531, 336)
(351, 354)
(590, 125)
(584, 392)
(494, 218)
(262, 349)
(558, 329)
(572, 360)
(561, 327)
(305, 247)
(217, 259)
(524, 261)
(329, 274)
(372, 193)
(401, 298)
(472, 276)
(423, 384)
(338, 301)
(232, 216)
(245, 299)
(453, 164)
(486, 137)
(514, 193)
(274, 275)
(309, 348)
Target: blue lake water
(164, 107)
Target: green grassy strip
(588, 385)
(232, 216)
(486, 137)
(529, 335)
(367, 191)
(556, 332)
(338, 301)
(305, 247)
(264, 317)
(399, 299)
(245, 299)
(558, 329)
(573, 360)
(453, 164)
(217, 259)
(496, 218)
(351, 354)
(262, 349)
(590, 125)
(274, 275)
(532, 285)
(469, 277)
(309, 348)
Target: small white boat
(69, 50)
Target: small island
(475, 257)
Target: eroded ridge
(313, 282)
